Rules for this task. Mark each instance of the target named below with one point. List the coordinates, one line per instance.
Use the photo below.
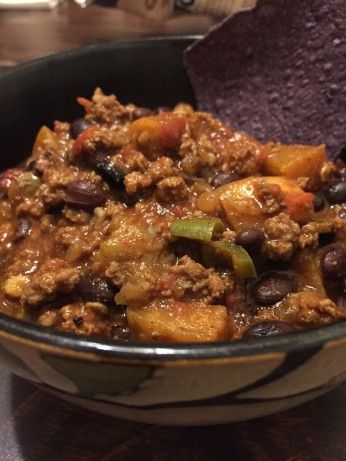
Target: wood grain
(29, 34)
(36, 426)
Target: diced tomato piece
(84, 136)
(299, 204)
(84, 103)
(172, 128)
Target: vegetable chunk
(158, 132)
(296, 161)
(171, 320)
(245, 202)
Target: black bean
(326, 238)
(333, 262)
(110, 173)
(336, 192)
(318, 201)
(141, 112)
(84, 193)
(91, 288)
(224, 178)
(22, 229)
(267, 328)
(272, 288)
(250, 238)
(78, 126)
(78, 321)
(32, 167)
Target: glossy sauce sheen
(86, 243)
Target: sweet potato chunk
(169, 320)
(129, 240)
(158, 132)
(296, 161)
(242, 206)
(44, 138)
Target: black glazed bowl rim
(304, 339)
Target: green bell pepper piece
(203, 229)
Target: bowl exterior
(190, 392)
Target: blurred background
(33, 28)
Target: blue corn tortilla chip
(277, 72)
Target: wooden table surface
(35, 426)
(30, 34)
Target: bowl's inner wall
(148, 73)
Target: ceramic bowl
(155, 383)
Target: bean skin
(272, 288)
(22, 229)
(268, 328)
(336, 192)
(84, 193)
(78, 126)
(110, 173)
(251, 239)
(333, 262)
(318, 202)
(92, 288)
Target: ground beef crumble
(193, 277)
(282, 234)
(52, 278)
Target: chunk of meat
(106, 109)
(177, 321)
(79, 318)
(310, 232)
(172, 189)
(53, 277)
(282, 235)
(94, 141)
(192, 277)
(161, 168)
(208, 142)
